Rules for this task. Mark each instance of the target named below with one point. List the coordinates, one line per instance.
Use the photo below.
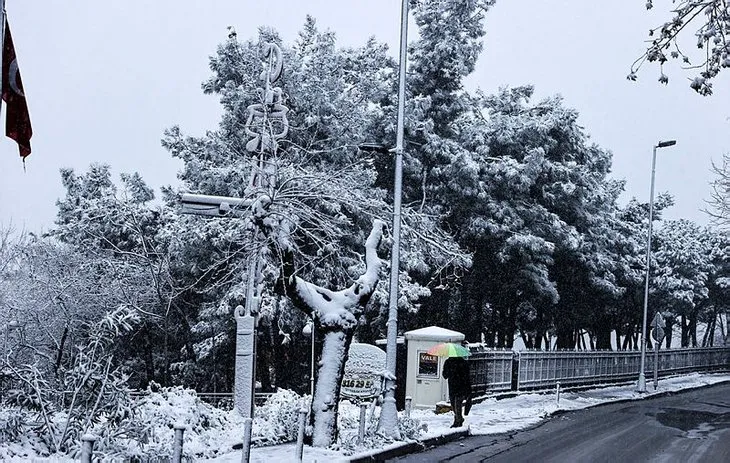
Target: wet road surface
(692, 426)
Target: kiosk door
(429, 384)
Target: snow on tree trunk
(327, 390)
(336, 314)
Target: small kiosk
(424, 383)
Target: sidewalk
(492, 416)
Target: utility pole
(266, 124)
(388, 423)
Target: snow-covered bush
(209, 430)
(277, 420)
(409, 428)
(68, 400)
(11, 422)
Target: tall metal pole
(641, 386)
(656, 352)
(388, 423)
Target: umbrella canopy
(449, 349)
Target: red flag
(17, 119)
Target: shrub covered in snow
(277, 420)
(147, 432)
(410, 429)
(209, 430)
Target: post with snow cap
(641, 385)
(87, 447)
(177, 445)
(299, 449)
(388, 423)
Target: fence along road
(503, 370)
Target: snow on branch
(712, 21)
(336, 308)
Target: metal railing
(490, 370)
(501, 370)
(539, 369)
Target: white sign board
(363, 372)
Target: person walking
(456, 371)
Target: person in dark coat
(456, 371)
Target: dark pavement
(692, 426)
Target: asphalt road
(692, 426)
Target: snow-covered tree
(313, 223)
(629, 247)
(719, 201)
(679, 280)
(530, 188)
(709, 20)
(122, 240)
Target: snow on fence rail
(501, 370)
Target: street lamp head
(664, 144)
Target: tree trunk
(706, 337)
(527, 340)
(685, 331)
(327, 390)
(668, 329)
(539, 335)
(61, 346)
(566, 339)
(603, 337)
(335, 314)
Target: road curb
(634, 399)
(410, 447)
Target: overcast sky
(105, 78)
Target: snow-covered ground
(213, 431)
(495, 416)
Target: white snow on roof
(435, 333)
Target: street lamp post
(308, 330)
(388, 423)
(641, 386)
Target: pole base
(641, 385)
(388, 424)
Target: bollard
(361, 432)
(656, 364)
(409, 399)
(373, 408)
(177, 446)
(300, 434)
(246, 450)
(557, 394)
(87, 447)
